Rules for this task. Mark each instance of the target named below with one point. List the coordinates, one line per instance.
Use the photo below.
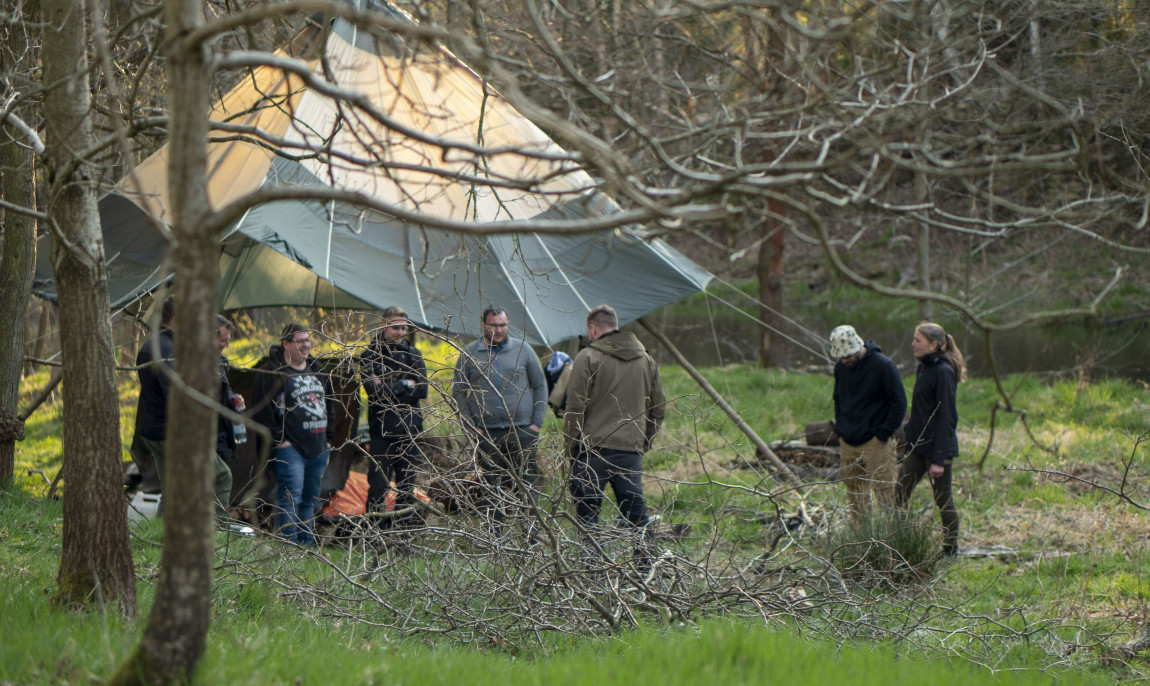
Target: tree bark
(178, 626)
(769, 270)
(96, 561)
(17, 261)
(17, 264)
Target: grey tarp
(408, 150)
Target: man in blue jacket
(501, 393)
(870, 404)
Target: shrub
(894, 547)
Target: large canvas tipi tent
(435, 149)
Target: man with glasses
(395, 379)
(293, 398)
(501, 393)
(870, 404)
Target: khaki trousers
(868, 468)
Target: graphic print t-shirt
(304, 409)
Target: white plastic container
(143, 506)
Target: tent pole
(759, 444)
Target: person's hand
(936, 471)
(533, 428)
(238, 402)
(285, 444)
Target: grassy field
(1068, 581)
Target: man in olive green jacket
(615, 405)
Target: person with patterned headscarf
(870, 403)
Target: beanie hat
(845, 342)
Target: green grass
(257, 639)
(1076, 571)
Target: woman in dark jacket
(932, 429)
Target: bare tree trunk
(17, 263)
(178, 626)
(769, 270)
(96, 562)
(16, 267)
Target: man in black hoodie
(395, 380)
(870, 403)
(152, 406)
(293, 398)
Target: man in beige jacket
(615, 405)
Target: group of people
(612, 409)
(870, 405)
(614, 406)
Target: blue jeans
(297, 486)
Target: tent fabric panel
(451, 277)
(254, 275)
(378, 43)
(266, 100)
(432, 93)
(352, 132)
(631, 278)
(133, 249)
(147, 185)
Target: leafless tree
(18, 239)
(96, 564)
(178, 625)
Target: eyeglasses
(299, 341)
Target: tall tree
(769, 270)
(18, 249)
(177, 629)
(96, 562)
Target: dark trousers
(392, 459)
(149, 458)
(592, 470)
(509, 469)
(911, 471)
